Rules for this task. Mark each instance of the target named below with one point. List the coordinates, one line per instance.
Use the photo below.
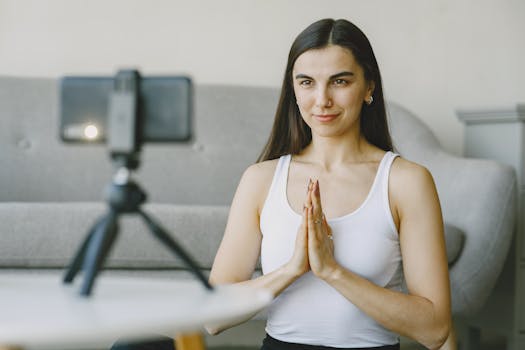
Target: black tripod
(124, 196)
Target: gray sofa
(50, 193)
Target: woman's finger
(308, 201)
(303, 235)
(327, 228)
(316, 201)
(317, 208)
(312, 230)
(304, 221)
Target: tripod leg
(165, 238)
(97, 250)
(75, 265)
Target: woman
(338, 220)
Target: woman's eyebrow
(335, 76)
(342, 74)
(303, 76)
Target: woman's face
(330, 89)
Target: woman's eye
(305, 82)
(340, 82)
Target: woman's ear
(371, 87)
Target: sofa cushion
(454, 239)
(231, 125)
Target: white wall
(435, 56)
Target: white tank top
(366, 242)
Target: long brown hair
(290, 134)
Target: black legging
(160, 343)
(270, 343)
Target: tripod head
(124, 195)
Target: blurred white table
(39, 311)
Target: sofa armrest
(479, 198)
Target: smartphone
(165, 108)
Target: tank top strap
(282, 174)
(381, 177)
(280, 178)
(277, 191)
(384, 167)
(384, 175)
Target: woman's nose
(323, 98)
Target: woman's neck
(330, 152)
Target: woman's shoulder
(410, 184)
(260, 174)
(405, 169)
(261, 171)
(258, 179)
(408, 177)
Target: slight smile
(325, 118)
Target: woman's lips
(324, 118)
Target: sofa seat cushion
(47, 235)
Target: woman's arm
(424, 313)
(240, 247)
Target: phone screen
(165, 109)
